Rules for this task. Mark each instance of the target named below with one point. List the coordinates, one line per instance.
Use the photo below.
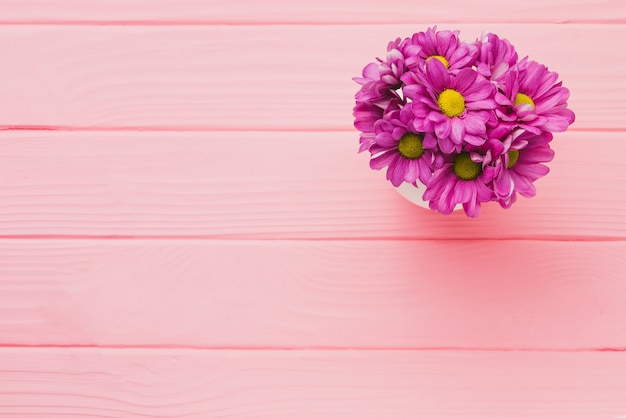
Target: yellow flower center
(513, 156)
(439, 58)
(410, 145)
(521, 98)
(465, 168)
(451, 102)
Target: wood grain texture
(199, 384)
(319, 12)
(258, 77)
(187, 231)
(315, 294)
(271, 185)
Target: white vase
(414, 195)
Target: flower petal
(382, 160)
(443, 129)
(437, 75)
(458, 130)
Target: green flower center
(513, 156)
(410, 145)
(451, 102)
(465, 168)
(521, 98)
(439, 58)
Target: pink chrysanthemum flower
(443, 46)
(373, 89)
(462, 179)
(499, 140)
(373, 100)
(538, 101)
(456, 107)
(521, 165)
(409, 155)
(496, 56)
(365, 116)
(392, 68)
(468, 121)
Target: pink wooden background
(186, 229)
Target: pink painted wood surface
(278, 185)
(316, 294)
(258, 77)
(194, 235)
(319, 12)
(102, 383)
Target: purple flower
(373, 90)
(409, 155)
(443, 46)
(468, 121)
(538, 101)
(495, 57)
(393, 67)
(365, 116)
(455, 107)
(521, 165)
(461, 180)
(373, 100)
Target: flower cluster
(468, 121)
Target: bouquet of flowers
(468, 122)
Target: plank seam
(115, 347)
(61, 128)
(51, 128)
(252, 238)
(140, 22)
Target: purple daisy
(495, 57)
(365, 116)
(443, 46)
(392, 68)
(373, 89)
(499, 140)
(521, 165)
(456, 107)
(373, 101)
(409, 155)
(462, 179)
(468, 121)
(538, 101)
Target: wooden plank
(277, 185)
(257, 77)
(198, 384)
(323, 11)
(313, 294)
